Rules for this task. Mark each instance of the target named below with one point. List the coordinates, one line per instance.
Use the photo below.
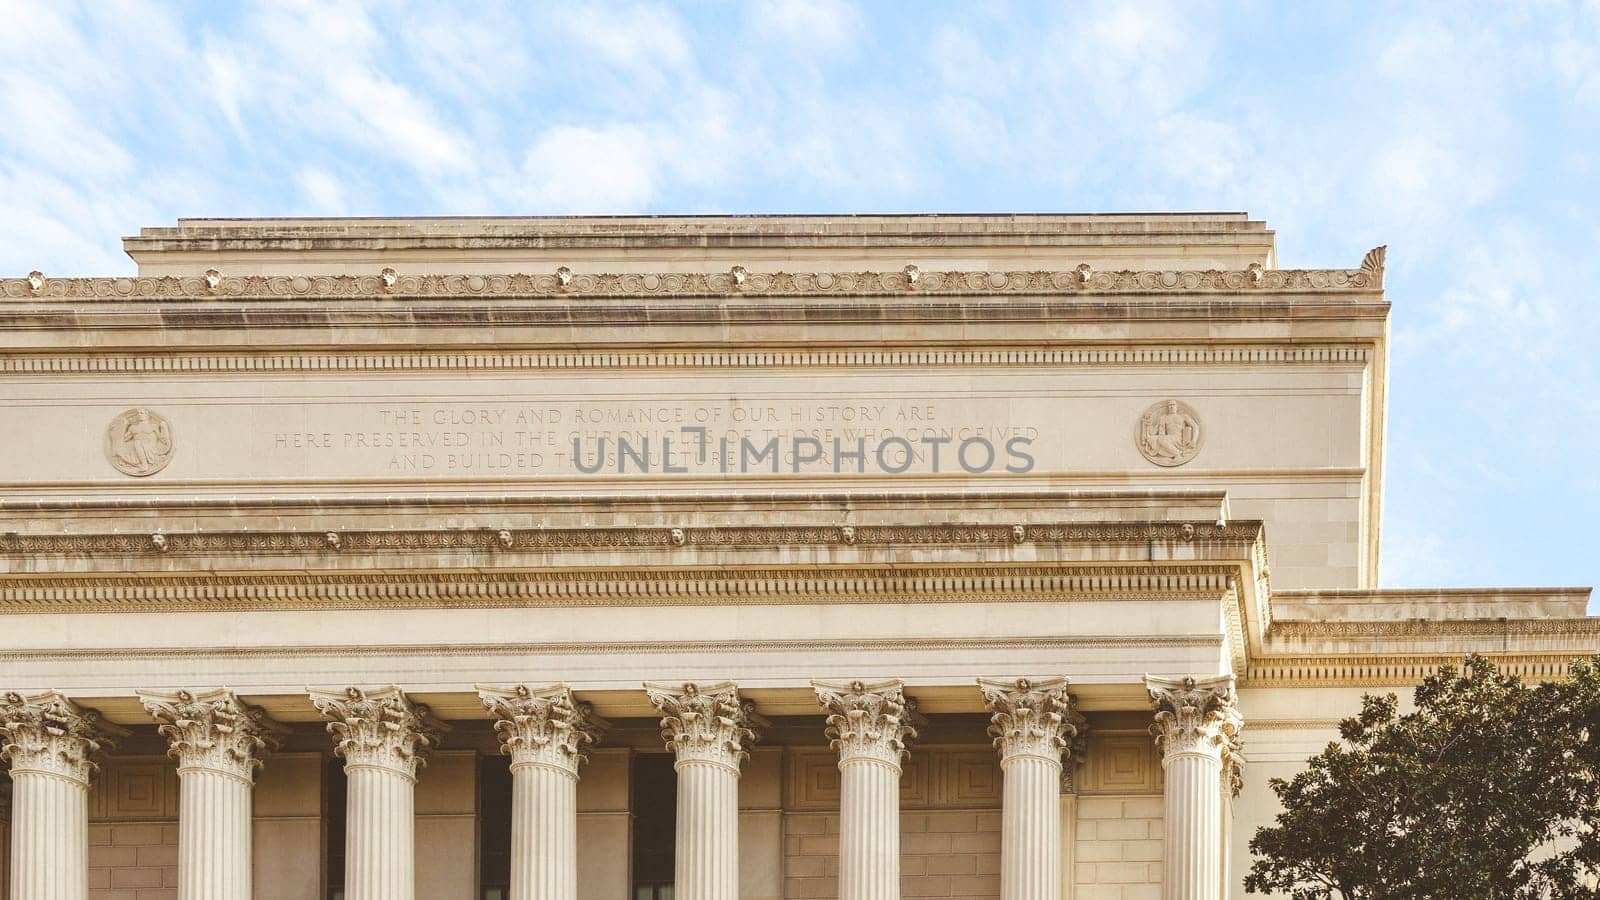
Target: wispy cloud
(1462, 135)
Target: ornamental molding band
(549, 588)
(139, 442)
(1240, 531)
(1034, 718)
(214, 731)
(542, 727)
(380, 728)
(738, 281)
(1170, 433)
(1198, 717)
(706, 723)
(48, 734)
(868, 722)
(707, 357)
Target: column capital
(48, 734)
(381, 728)
(706, 723)
(868, 722)
(1034, 717)
(214, 730)
(1197, 716)
(542, 726)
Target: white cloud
(809, 27)
(322, 69)
(572, 169)
(324, 191)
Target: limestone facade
(764, 557)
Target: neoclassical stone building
(694, 557)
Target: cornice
(564, 283)
(585, 588)
(1163, 498)
(1243, 533)
(1390, 670)
(1408, 628)
(700, 232)
(709, 357)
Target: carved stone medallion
(1169, 433)
(139, 442)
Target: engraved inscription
(750, 436)
(139, 442)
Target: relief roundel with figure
(1169, 433)
(139, 442)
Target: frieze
(738, 281)
(1401, 669)
(708, 357)
(1403, 628)
(672, 537)
(555, 588)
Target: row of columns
(50, 744)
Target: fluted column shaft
(1030, 829)
(50, 836)
(1193, 806)
(1032, 723)
(1196, 727)
(707, 728)
(49, 742)
(546, 732)
(707, 852)
(214, 811)
(383, 737)
(869, 830)
(380, 834)
(544, 832)
(219, 743)
(868, 725)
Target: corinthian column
(1031, 723)
(707, 727)
(219, 743)
(869, 725)
(1197, 731)
(546, 733)
(383, 738)
(50, 742)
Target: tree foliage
(1488, 791)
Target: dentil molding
(737, 281)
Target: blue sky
(1464, 136)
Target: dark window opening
(494, 828)
(333, 833)
(655, 824)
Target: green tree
(1488, 791)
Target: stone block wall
(133, 861)
(947, 854)
(1117, 848)
(1113, 822)
(949, 824)
(133, 830)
